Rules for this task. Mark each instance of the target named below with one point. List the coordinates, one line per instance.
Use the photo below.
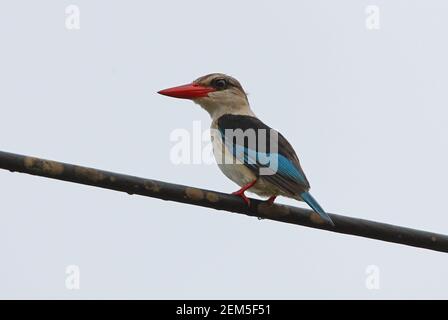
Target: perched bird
(241, 160)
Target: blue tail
(308, 198)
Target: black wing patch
(264, 151)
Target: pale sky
(364, 108)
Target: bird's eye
(220, 84)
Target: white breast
(229, 165)
(236, 171)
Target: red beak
(188, 91)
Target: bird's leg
(271, 200)
(241, 194)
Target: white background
(365, 109)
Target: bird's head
(217, 93)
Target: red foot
(241, 194)
(271, 200)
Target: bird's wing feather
(280, 167)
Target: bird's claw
(240, 193)
(271, 200)
(242, 196)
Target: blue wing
(281, 168)
(279, 163)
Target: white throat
(215, 111)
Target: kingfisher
(250, 153)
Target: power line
(220, 201)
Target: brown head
(217, 93)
